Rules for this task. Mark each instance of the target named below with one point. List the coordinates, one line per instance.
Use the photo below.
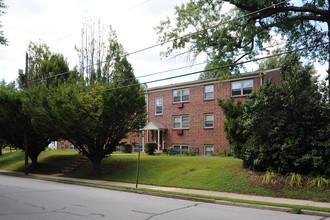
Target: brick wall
(196, 136)
(64, 145)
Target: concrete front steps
(73, 166)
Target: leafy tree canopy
(283, 128)
(15, 116)
(233, 36)
(45, 67)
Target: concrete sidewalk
(190, 191)
(199, 192)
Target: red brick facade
(64, 145)
(196, 135)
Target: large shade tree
(96, 118)
(232, 36)
(15, 117)
(283, 128)
(98, 111)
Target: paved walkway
(193, 191)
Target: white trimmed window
(181, 148)
(208, 120)
(181, 121)
(240, 88)
(208, 150)
(181, 95)
(159, 105)
(209, 92)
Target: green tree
(15, 117)
(95, 122)
(286, 127)
(37, 52)
(54, 70)
(3, 40)
(233, 126)
(95, 118)
(272, 62)
(228, 38)
(45, 67)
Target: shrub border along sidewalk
(307, 210)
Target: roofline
(208, 81)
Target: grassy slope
(210, 173)
(50, 161)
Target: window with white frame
(159, 105)
(208, 150)
(181, 95)
(209, 92)
(181, 121)
(239, 88)
(208, 120)
(181, 148)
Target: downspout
(261, 78)
(147, 103)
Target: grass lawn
(199, 172)
(210, 173)
(51, 161)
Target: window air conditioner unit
(179, 132)
(180, 105)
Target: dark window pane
(185, 98)
(159, 110)
(247, 91)
(176, 98)
(209, 124)
(235, 92)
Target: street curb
(166, 195)
(194, 199)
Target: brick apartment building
(64, 145)
(186, 116)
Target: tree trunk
(96, 162)
(34, 158)
(0, 150)
(34, 163)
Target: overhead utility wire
(197, 64)
(165, 71)
(214, 26)
(207, 70)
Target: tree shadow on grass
(54, 163)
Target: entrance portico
(157, 133)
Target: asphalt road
(23, 198)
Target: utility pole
(138, 168)
(26, 126)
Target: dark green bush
(283, 128)
(150, 148)
(127, 148)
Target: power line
(150, 47)
(207, 70)
(138, 5)
(184, 67)
(196, 32)
(214, 26)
